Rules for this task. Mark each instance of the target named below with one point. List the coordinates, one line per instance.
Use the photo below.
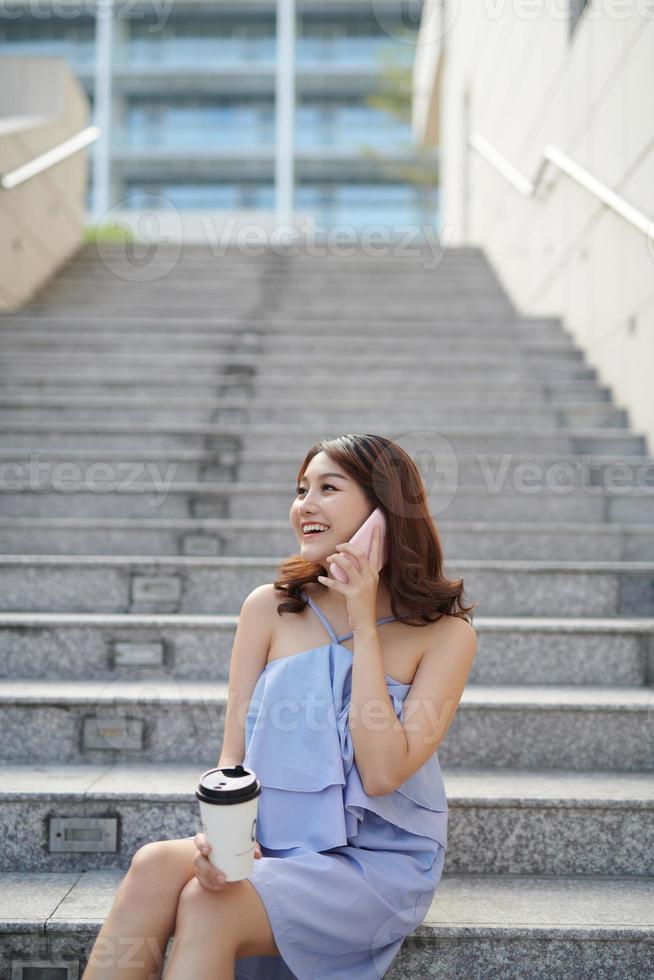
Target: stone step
(616, 473)
(295, 362)
(571, 819)
(477, 926)
(196, 536)
(146, 716)
(271, 320)
(511, 650)
(29, 386)
(225, 378)
(324, 288)
(258, 438)
(195, 304)
(123, 583)
(105, 495)
(20, 325)
(321, 344)
(163, 411)
(225, 279)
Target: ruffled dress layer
(344, 876)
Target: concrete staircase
(150, 435)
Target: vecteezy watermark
(307, 236)
(156, 12)
(41, 475)
(140, 712)
(419, 23)
(142, 242)
(310, 712)
(564, 476)
(435, 458)
(151, 242)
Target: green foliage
(108, 233)
(394, 96)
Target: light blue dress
(344, 877)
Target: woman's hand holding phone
(363, 538)
(361, 566)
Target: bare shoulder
(260, 607)
(263, 598)
(453, 634)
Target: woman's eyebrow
(321, 476)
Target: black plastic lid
(232, 784)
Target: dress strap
(325, 622)
(386, 619)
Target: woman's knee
(167, 862)
(148, 857)
(195, 898)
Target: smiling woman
(352, 820)
(339, 483)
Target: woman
(352, 819)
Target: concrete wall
(512, 72)
(41, 220)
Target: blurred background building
(543, 115)
(185, 95)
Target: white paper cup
(228, 799)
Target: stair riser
(408, 365)
(266, 343)
(383, 329)
(486, 839)
(521, 957)
(67, 436)
(499, 472)
(423, 954)
(174, 538)
(541, 418)
(201, 588)
(167, 502)
(28, 386)
(170, 731)
(504, 657)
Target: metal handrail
(551, 154)
(48, 159)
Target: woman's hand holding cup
(210, 877)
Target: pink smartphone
(363, 537)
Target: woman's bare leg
(214, 929)
(131, 944)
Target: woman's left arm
(388, 752)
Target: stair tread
(593, 907)
(150, 689)
(464, 785)
(527, 624)
(218, 561)
(275, 524)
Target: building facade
(544, 119)
(185, 94)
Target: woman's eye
(331, 487)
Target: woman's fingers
(201, 842)
(210, 877)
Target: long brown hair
(414, 567)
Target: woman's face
(329, 497)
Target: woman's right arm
(248, 658)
